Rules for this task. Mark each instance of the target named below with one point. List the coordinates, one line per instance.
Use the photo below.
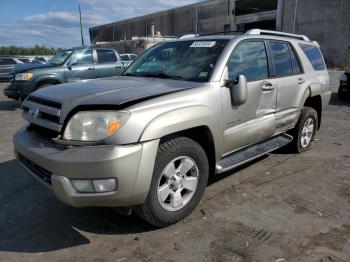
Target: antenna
(81, 28)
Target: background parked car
(344, 87)
(7, 64)
(128, 58)
(66, 66)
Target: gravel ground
(283, 207)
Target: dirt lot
(283, 207)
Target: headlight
(94, 125)
(343, 78)
(24, 76)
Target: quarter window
(105, 56)
(314, 55)
(249, 59)
(295, 62)
(281, 59)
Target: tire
(307, 114)
(176, 151)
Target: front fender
(182, 119)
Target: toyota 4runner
(184, 111)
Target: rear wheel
(305, 130)
(179, 180)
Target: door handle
(267, 87)
(119, 66)
(91, 68)
(301, 81)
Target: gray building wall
(325, 21)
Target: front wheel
(179, 180)
(305, 130)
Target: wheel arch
(204, 137)
(49, 80)
(315, 102)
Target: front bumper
(131, 165)
(19, 89)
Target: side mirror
(238, 89)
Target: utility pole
(295, 17)
(81, 28)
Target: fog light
(105, 185)
(95, 185)
(83, 186)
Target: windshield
(60, 57)
(184, 60)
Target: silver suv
(183, 112)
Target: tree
(36, 50)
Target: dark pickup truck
(66, 66)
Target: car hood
(19, 68)
(117, 92)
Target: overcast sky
(55, 23)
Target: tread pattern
(296, 132)
(170, 148)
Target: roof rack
(224, 33)
(276, 33)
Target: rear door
(108, 63)
(287, 71)
(253, 121)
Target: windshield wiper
(128, 74)
(164, 76)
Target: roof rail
(276, 33)
(188, 36)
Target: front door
(253, 121)
(81, 67)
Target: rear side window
(105, 56)
(314, 55)
(249, 59)
(282, 63)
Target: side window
(314, 55)
(133, 57)
(281, 59)
(85, 58)
(249, 59)
(295, 61)
(105, 56)
(8, 61)
(124, 57)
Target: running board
(252, 152)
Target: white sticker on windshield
(203, 44)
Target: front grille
(40, 172)
(42, 132)
(42, 112)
